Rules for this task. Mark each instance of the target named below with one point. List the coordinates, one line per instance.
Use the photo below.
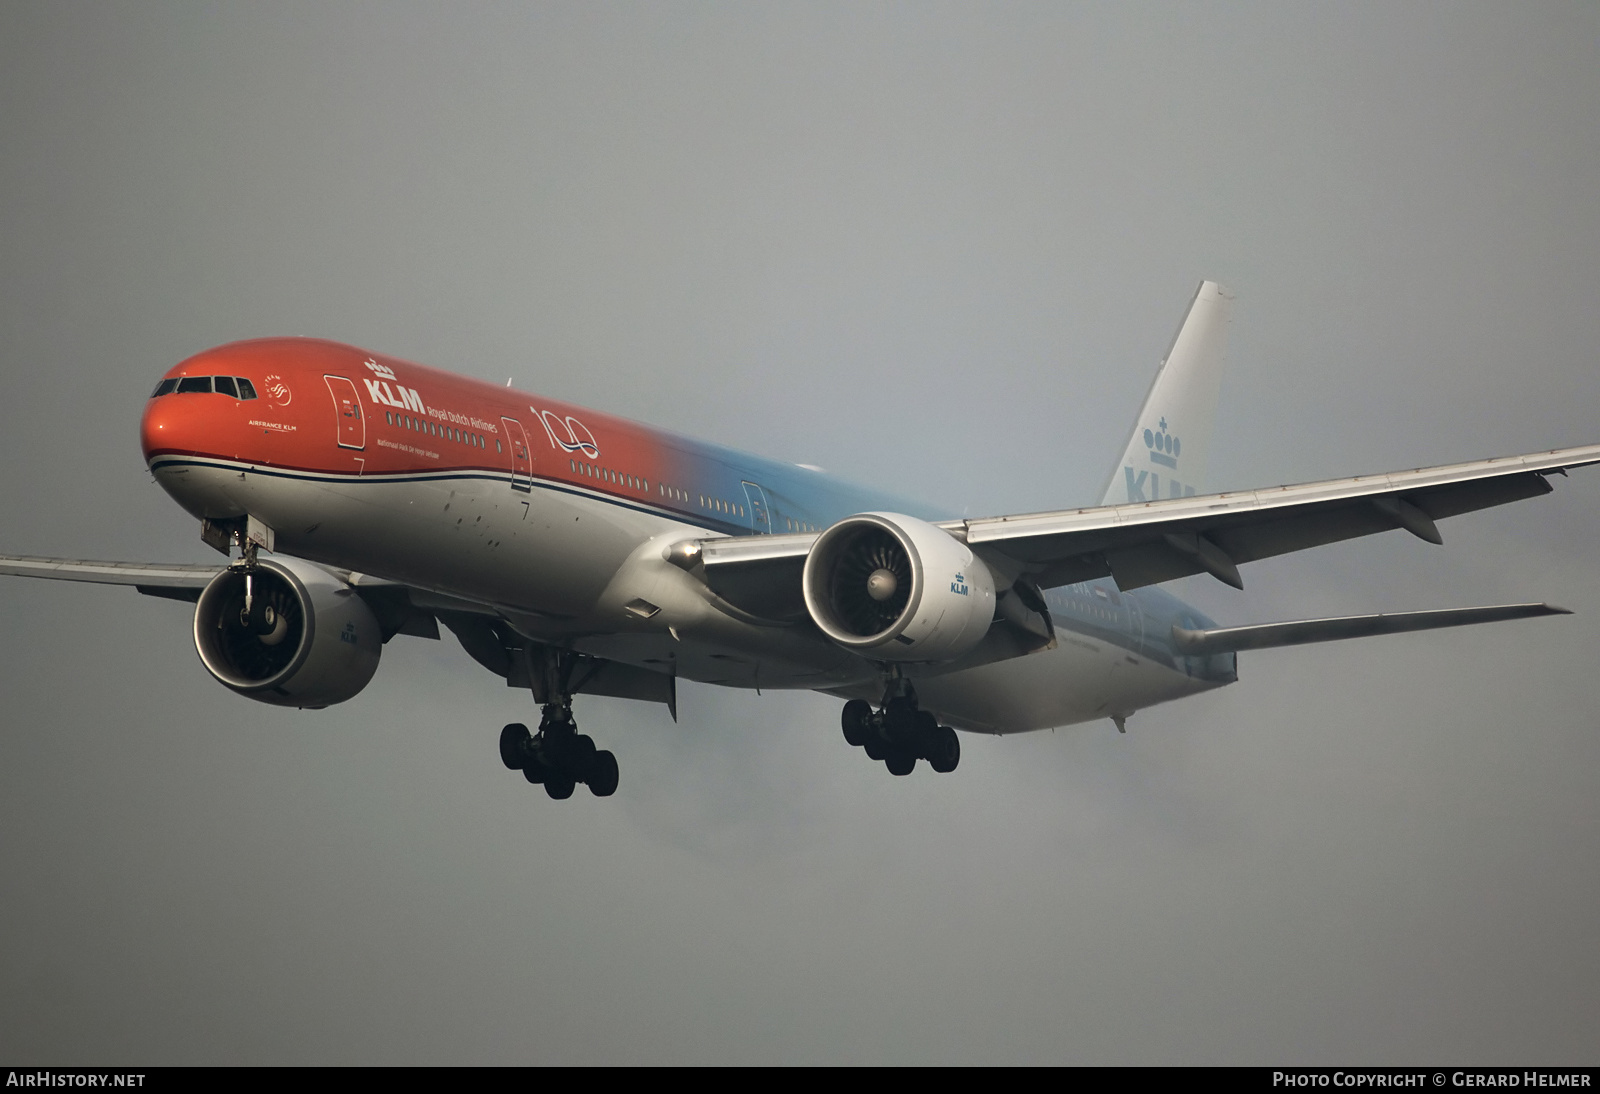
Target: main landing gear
(900, 734)
(558, 755)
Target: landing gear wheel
(944, 752)
(901, 761)
(603, 774)
(900, 720)
(559, 785)
(580, 753)
(856, 720)
(514, 741)
(874, 747)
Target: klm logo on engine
(959, 586)
(1165, 449)
(348, 635)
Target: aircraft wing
(1143, 544)
(177, 581)
(186, 581)
(1150, 542)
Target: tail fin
(1166, 455)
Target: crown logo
(1164, 447)
(388, 373)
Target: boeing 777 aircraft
(574, 553)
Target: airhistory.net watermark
(48, 1078)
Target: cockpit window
(247, 390)
(165, 387)
(194, 383)
(225, 386)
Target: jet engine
(288, 633)
(895, 588)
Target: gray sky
(936, 246)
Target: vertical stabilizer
(1166, 454)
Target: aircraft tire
(944, 751)
(855, 720)
(874, 747)
(900, 719)
(578, 754)
(900, 761)
(559, 786)
(603, 774)
(514, 740)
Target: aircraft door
(347, 408)
(760, 515)
(521, 455)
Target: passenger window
(497, 447)
(194, 384)
(225, 386)
(165, 387)
(247, 390)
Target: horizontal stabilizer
(1300, 631)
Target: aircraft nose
(168, 426)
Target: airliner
(359, 497)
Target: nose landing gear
(558, 756)
(900, 734)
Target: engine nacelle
(309, 642)
(896, 588)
